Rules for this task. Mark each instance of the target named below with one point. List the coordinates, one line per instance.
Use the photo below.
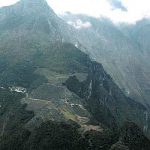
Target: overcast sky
(117, 10)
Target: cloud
(7, 2)
(117, 10)
(79, 24)
(117, 4)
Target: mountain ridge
(116, 47)
(53, 89)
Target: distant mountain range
(55, 94)
(123, 49)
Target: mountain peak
(35, 6)
(35, 2)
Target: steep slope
(140, 34)
(104, 97)
(131, 137)
(50, 88)
(33, 26)
(33, 57)
(96, 112)
(122, 56)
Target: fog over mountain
(117, 10)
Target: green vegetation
(57, 136)
(13, 115)
(131, 137)
(63, 58)
(105, 101)
(71, 102)
(21, 74)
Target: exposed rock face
(30, 26)
(123, 50)
(105, 100)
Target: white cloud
(90, 7)
(136, 9)
(78, 24)
(7, 2)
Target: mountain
(139, 34)
(52, 95)
(24, 23)
(122, 49)
(131, 137)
